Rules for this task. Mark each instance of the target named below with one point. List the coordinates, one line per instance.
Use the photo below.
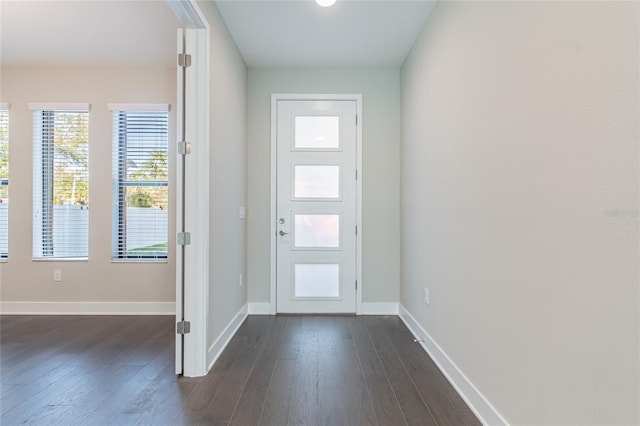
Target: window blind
(60, 183)
(4, 183)
(140, 184)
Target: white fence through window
(146, 229)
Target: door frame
(274, 162)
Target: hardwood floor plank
(8, 388)
(206, 387)
(31, 326)
(93, 389)
(276, 407)
(9, 322)
(345, 405)
(292, 397)
(34, 403)
(224, 403)
(160, 331)
(432, 385)
(112, 341)
(414, 409)
(146, 399)
(303, 407)
(282, 370)
(249, 408)
(385, 404)
(126, 419)
(411, 352)
(48, 342)
(55, 415)
(339, 370)
(370, 363)
(268, 357)
(295, 339)
(338, 361)
(159, 403)
(443, 411)
(287, 372)
(40, 384)
(130, 388)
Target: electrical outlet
(426, 296)
(242, 212)
(241, 279)
(57, 275)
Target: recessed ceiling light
(326, 3)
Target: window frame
(4, 181)
(45, 113)
(120, 181)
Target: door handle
(282, 233)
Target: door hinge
(356, 174)
(356, 229)
(356, 284)
(183, 238)
(184, 148)
(356, 119)
(184, 60)
(183, 327)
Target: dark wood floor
(283, 370)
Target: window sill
(60, 259)
(139, 261)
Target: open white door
(182, 326)
(192, 194)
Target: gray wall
(380, 91)
(97, 279)
(520, 203)
(227, 173)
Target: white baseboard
(87, 308)
(482, 408)
(225, 337)
(367, 308)
(260, 308)
(379, 308)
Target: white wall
(380, 173)
(228, 174)
(96, 279)
(520, 203)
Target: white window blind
(140, 184)
(4, 182)
(60, 183)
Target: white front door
(316, 206)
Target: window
(60, 181)
(4, 181)
(140, 182)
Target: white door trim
(196, 263)
(273, 216)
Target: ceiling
(142, 33)
(60, 33)
(301, 34)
